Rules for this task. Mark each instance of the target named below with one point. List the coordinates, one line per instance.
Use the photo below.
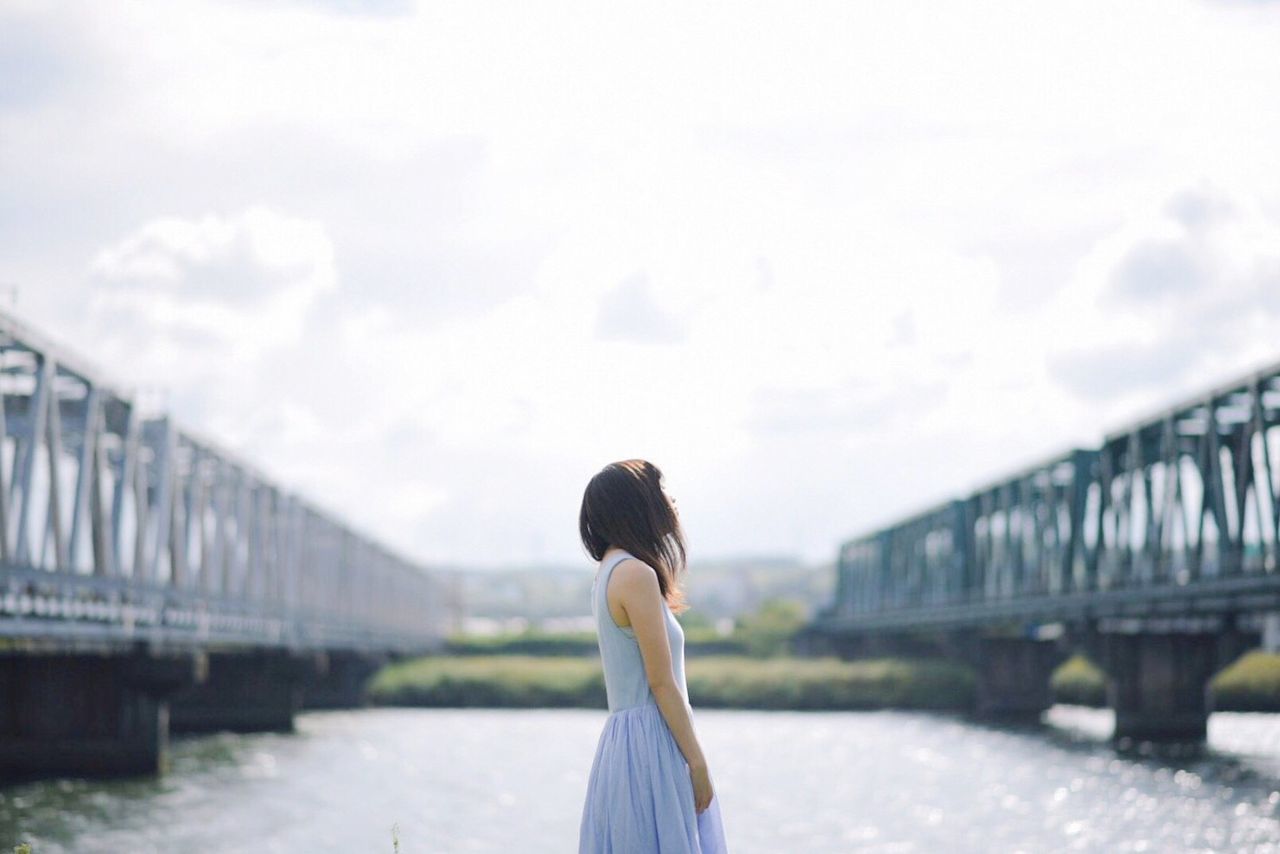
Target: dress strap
(602, 579)
(602, 594)
(619, 560)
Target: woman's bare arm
(637, 591)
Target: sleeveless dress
(639, 794)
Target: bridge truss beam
(1178, 513)
(116, 526)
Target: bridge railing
(1178, 508)
(116, 523)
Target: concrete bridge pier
(88, 715)
(1158, 678)
(1157, 684)
(338, 679)
(1013, 677)
(258, 691)
(1271, 632)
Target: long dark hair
(624, 506)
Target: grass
(530, 642)
(828, 683)
(521, 681)
(698, 640)
(1250, 684)
(713, 681)
(1078, 680)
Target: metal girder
(1163, 511)
(116, 525)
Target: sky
(826, 264)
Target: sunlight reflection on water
(498, 780)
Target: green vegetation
(699, 640)
(714, 682)
(699, 629)
(828, 683)
(1078, 680)
(769, 679)
(769, 630)
(1250, 684)
(751, 668)
(506, 680)
(528, 642)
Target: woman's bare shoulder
(634, 574)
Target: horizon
(586, 563)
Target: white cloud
(201, 311)
(211, 287)
(629, 311)
(889, 251)
(1181, 297)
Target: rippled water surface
(513, 781)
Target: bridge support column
(1271, 632)
(245, 692)
(88, 715)
(1157, 684)
(1013, 678)
(338, 680)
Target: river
(512, 781)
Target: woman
(649, 791)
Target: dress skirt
(639, 794)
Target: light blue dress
(639, 794)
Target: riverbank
(697, 643)
(714, 682)
(1250, 684)
(472, 679)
